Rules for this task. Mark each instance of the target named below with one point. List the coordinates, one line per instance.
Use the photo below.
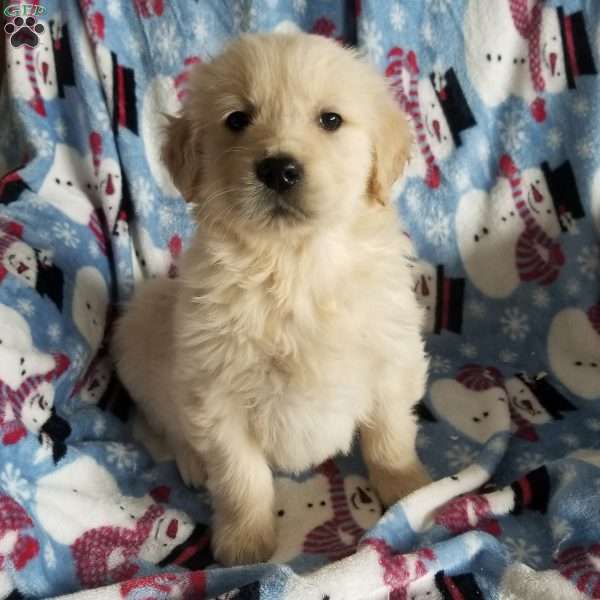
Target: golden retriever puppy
(293, 324)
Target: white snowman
(90, 305)
(574, 350)
(150, 260)
(32, 72)
(438, 116)
(19, 359)
(475, 404)
(517, 49)
(510, 234)
(441, 296)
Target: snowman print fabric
(502, 200)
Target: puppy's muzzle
(279, 173)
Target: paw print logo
(24, 32)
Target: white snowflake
(299, 6)
(414, 199)
(142, 194)
(100, 119)
(93, 249)
(476, 309)
(200, 30)
(483, 149)
(439, 6)
(437, 227)
(468, 350)
(512, 129)
(572, 287)
(423, 441)
(507, 356)
(589, 261)
(540, 297)
(586, 148)
(166, 217)
(593, 424)
(439, 364)
(570, 440)
(79, 358)
(43, 143)
(515, 324)
(13, 484)
(65, 233)
(523, 552)
(528, 461)
(461, 456)
(114, 8)
(54, 331)
(554, 138)
(244, 15)
(99, 426)
(49, 556)
(568, 473)
(580, 106)
(167, 43)
(427, 33)
(397, 17)
(25, 307)
(60, 129)
(123, 456)
(560, 528)
(462, 179)
(371, 39)
(134, 44)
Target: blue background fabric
(502, 200)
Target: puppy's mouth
(282, 208)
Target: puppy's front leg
(388, 439)
(241, 486)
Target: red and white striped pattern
(539, 257)
(580, 565)
(400, 64)
(181, 81)
(36, 102)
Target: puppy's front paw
(190, 465)
(392, 485)
(243, 541)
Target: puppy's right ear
(181, 154)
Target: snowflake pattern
(13, 484)
(200, 30)
(397, 17)
(142, 192)
(528, 461)
(507, 356)
(560, 528)
(570, 440)
(114, 8)
(44, 144)
(476, 309)
(123, 456)
(593, 424)
(245, 15)
(460, 456)
(414, 199)
(437, 227)
(568, 473)
(25, 307)
(572, 287)
(60, 129)
(99, 426)
(78, 360)
(468, 350)
(49, 556)
(554, 138)
(515, 324)
(299, 6)
(439, 364)
(167, 43)
(580, 106)
(66, 234)
(93, 249)
(462, 179)
(512, 129)
(586, 148)
(540, 297)
(371, 40)
(589, 261)
(439, 6)
(54, 331)
(522, 551)
(427, 33)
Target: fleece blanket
(502, 199)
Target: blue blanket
(502, 199)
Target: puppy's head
(286, 133)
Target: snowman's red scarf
(532, 266)
(92, 550)
(10, 232)
(409, 101)
(529, 25)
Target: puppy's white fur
(287, 329)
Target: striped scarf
(529, 27)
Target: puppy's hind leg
(388, 439)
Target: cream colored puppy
(292, 324)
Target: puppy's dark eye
(330, 121)
(237, 121)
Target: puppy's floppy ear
(391, 147)
(181, 154)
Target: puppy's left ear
(391, 148)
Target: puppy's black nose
(279, 172)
